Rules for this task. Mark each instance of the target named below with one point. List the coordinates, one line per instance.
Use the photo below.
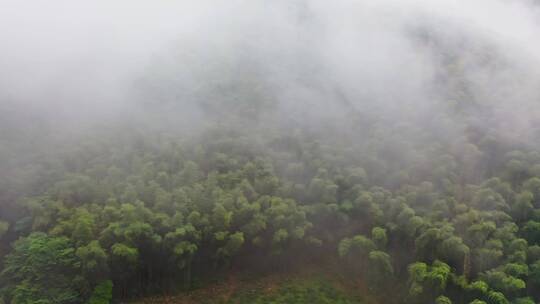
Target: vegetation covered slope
(317, 284)
(130, 217)
(432, 194)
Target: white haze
(75, 60)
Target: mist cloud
(313, 60)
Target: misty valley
(292, 152)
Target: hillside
(314, 285)
(300, 151)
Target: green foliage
(496, 298)
(102, 293)
(42, 269)
(424, 279)
(297, 292)
(4, 226)
(125, 252)
(503, 282)
(379, 237)
(531, 231)
(442, 300)
(523, 301)
(93, 260)
(357, 245)
(380, 270)
(146, 211)
(535, 273)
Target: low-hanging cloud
(313, 60)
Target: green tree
(4, 226)
(42, 269)
(102, 293)
(378, 235)
(380, 269)
(443, 300)
(426, 282)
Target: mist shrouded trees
(421, 175)
(159, 214)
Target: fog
(311, 61)
(394, 144)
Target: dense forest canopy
(145, 147)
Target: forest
(414, 170)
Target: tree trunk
(187, 276)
